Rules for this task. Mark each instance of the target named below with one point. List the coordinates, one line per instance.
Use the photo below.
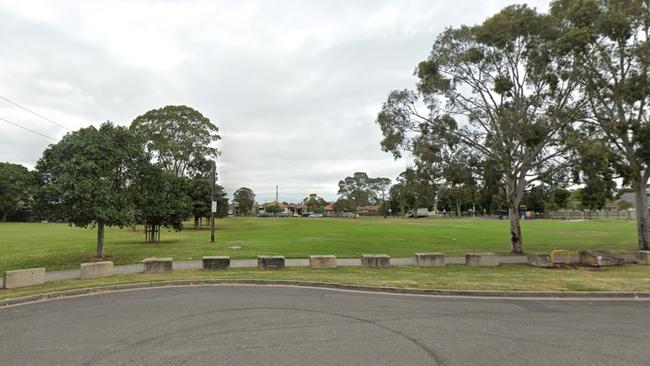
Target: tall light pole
(213, 209)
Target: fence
(590, 215)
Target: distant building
(628, 198)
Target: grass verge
(632, 277)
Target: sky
(294, 86)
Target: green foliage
(273, 209)
(177, 136)
(314, 203)
(342, 204)
(414, 188)
(84, 178)
(361, 190)
(609, 45)
(161, 197)
(245, 198)
(597, 174)
(200, 192)
(16, 183)
(497, 94)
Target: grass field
(59, 246)
(505, 278)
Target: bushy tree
(200, 192)
(273, 209)
(177, 137)
(161, 200)
(16, 183)
(362, 190)
(314, 203)
(245, 198)
(84, 178)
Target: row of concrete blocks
(36, 276)
(592, 258)
(157, 265)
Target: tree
(595, 170)
(499, 90)
(177, 136)
(414, 188)
(342, 204)
(15, 184)
(611, 48)
(273, 209)
(314, 203)
(245, 198)
(161, 200)
(361, 190)
(84, 178)
(200, 192)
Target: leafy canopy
(177, 137)
(85, 177)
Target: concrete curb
(541, 295)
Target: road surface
(257, 325)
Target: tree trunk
(196, 222)
(642, 216)
(514, 191)
(4, 215)
(100, 239)
(516, 245)
(459, 211)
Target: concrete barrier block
(95, 270)
(600, 258)
(158, 265)
(215, 263)
(429, 259)
(540, 260)
(322, 261)
(270, 262)
(643, 257)
(375, 261)
(24, 278)
(481, 259)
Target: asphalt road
(254, 325)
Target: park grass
(511, 277)
(59, 246)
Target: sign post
(214, 203)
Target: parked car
(263, 214)
(281, 214)
(316, 215)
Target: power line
(34, 113)
(26, 129)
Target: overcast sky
(294, 86)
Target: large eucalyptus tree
(497, 89)
(611, 48)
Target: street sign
(214, 206)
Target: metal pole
(212, 202)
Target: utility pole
(276, 195)
(214, 203)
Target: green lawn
(512, 277)
(58, 246)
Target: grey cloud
(294, 86)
